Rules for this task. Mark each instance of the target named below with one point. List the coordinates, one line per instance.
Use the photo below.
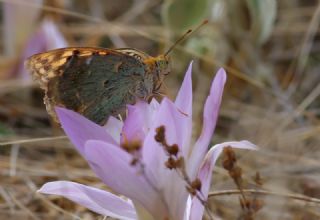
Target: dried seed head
(173, 149)
(131, 146)
(160, 134)
(229, 158)
(257, 179)
(229, 153)
(227, 164)
(196, 184)
(191, 190)
(236, 172)
(171, 163)
(257, 204)
(180, 163)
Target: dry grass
(279, 111)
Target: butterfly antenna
(183, 37)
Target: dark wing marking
(95, 82)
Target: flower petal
(205, 173)
(138, 121)
(79, 129)
(154, 157)
(184, 97)
(184, 104)
(154, 104)
(113, 166)
(114, 128)
(210, 115)
(97, 200)
(169, 116)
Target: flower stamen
(132, 147)
(177, 163)
(160, 135)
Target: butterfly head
(159, 68)
(162, 69)
(162, 63)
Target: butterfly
(98, 82)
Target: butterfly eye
(163, 64)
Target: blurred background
(270, 50)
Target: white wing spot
(51, 74)
(38, 65)
(42, 71)
(88, 60)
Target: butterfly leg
(157, 87)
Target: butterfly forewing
(95, 82)
(140, 55)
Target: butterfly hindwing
(92, 81)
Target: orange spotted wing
(95, 82)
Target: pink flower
(153, 190)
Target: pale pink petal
(114, 128)
(171, 118)
(184, 97)
(137, 122)
(54, 38)
(79, 129)
(113, 166)
(210, 115)
(47, 37)
(154, 104)
(205, 173)
(184, 104)
(188, 208)
(139, 119)
(154, 157)
(97, 200)
(142, 213)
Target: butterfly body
(96, 82)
